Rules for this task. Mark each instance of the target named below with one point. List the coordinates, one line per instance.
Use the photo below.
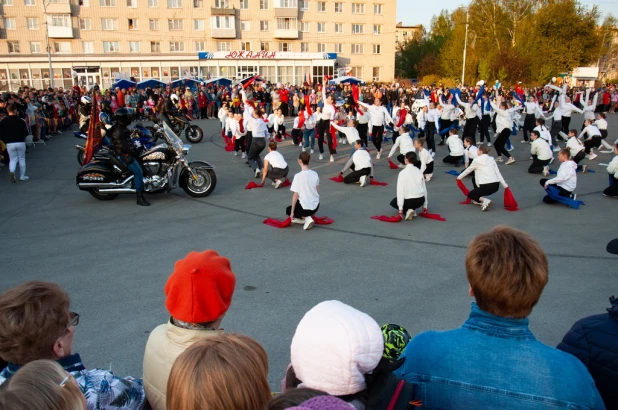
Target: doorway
(246, 71)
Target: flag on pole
(308, 79)
(93, 141)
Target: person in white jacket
(425, 158)
(237, 132)
(487, 178)
(379, 118)
(601, 124)
(411, 189)
(473, 115)
(405, 145)
(360, 164)
(565, 180)
(222, 115)
(455, 148)
(593, 138)
(542, 154)
(612, 170)
(503, 124)
(349, 132)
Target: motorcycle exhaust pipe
(117, 191)
(80, 148)
(109, 185)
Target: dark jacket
(122, 145)
(594, 341)
(13, 129)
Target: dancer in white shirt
(601, 124)
(455, 148)
(532, 111)
(503, 123)
(326, 116)
(306, 197)
(425, 159)
(362, 124)
(361, 165)
(275, 166)
(411, 189)
(309, 131)
(379, 118)
(593, 138)
(473, 113)
(405, 145)
(542, 154)
(471, 151)
(487, 178)
(565, 180)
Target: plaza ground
(114, 257)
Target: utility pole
(51, 70)
(463, 69)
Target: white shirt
(455, 146)
(544, 133)
(541, 149)
(379, 115)
(471, 153)
(362, 118)
(425, 157)
(574, 146)
(590, 131)
(612, 167)
(447, 110)
(305, 184)
(275, 159)
(328, 111)
(472, 110)
(295, 126)
(410, 184)
(259, 127)
(601, 124)
(432, 115)
(404, 143)
(361, 159)
(566, 177)
(485, 171)
(503, 117)
(421, 119)
(310, 121)
(533, 108)
(351, 133)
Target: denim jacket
(492, 362)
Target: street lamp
(463, 69)
(51, 70)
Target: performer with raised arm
(487, 178)
(379, 118)
(361, 165)
(326, 116)
(503, 123)
(472, 113)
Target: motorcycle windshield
(172, 139)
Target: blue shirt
(492, 362)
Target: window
(304, 47)
(29, 2)
(132, 3)
(222, 4)
(244, 4)
(107, 3)
(357, 49)
(153, 3)
(174, 4)
(200, 46)
(224, 46)
(264, 25)
(13, 46)
(358, 8)
(286, 3)
(85, 24)
(198, 25)
(357, 72)
(339, 28)
(153, 24)
(304, 26)
(9, 23)
(198, 4)
(377, 29)
(245, 25)
(35, 48)
(376, 73)
(321, 27)
(222, 22)
(264, 47)
(155, 47)
(377, 9)
(32, 23)
(321, 48)
(304, 5)
(109, 24)
(358, 28)
(60, 20)
(62, 47)
(377, 49)
(338, 7)
(287, 24)
(133, 24)
(87, 47)
(245, 46)
(338, 48)
(134, 46)
(7, 3)
(84, 3)
(111, 47)
(285, 46)
(322, 6)
(174, 24)
(263, 4)
(177, 46)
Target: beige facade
(99, 40)
(404, 34)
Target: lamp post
(463, 69)
(51, 70)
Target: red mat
(385, 218)
(465, 191)
(392, 164)
(510, 204)
(378, 183)
(338, 178)
(276, 223)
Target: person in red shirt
(606, 100)
(202, 104)
(120, 97)
(284, 97)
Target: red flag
(465, 191)
(307, 105)
(250, 81)
(510, 204)
(402, 118)
(355, 96)
(427, 215)
(308, 79)
(338, 178)
(252, 185)
(93, 141)
(392, 164)
(333, 134)
(385, 218)
(277, 223)
(377, 183)
(301, 119)
(322, 220)
(286, 183)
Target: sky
(413, 12)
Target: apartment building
(97, 41)
(403, 34)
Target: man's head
(358, 144)
(534, 135)
(564, 155)
(507, 271)
(11, 109)
(35, 323)
(304, 158)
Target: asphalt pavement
(114, 257)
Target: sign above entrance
(264, 55)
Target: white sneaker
(308, 223)
(244, 155)
(433, 154)
(512, 148)
(499, 159)
(311, 152)
(298, 221)
(24, 178)
(486, 204)
(546, 170)
(523, 141)
(278, 183)
(410, 214)
(363, 180)
(332, 159)
(551, 161)
(339, 141)
(592, 156)
(321, 156)
(489, 144)
(344, 142)
(235, 153)
(428, 177)
(510, 161)
(302, 149)
(258, 173)
(379, 153)
(300, 145)
(556, 149)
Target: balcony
(59, 8)
(286, 12)
(223, 33)
(60, 32)
(288, 34)
(222, 12)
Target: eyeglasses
(74, 319)
(64, 381)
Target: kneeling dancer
(306, 197)
(275, 166)
(411, 189)
(360, 164)
(487, 178)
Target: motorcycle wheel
(205, 184)
(102, 197)
(194, 134)
(80, 157)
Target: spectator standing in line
(13, 132)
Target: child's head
(564, 155)
(483, 149)
(468, 141)
(540, 121)
(572, 132)
(588, 122)
(601, 115)
(419, 143)
(453, 131)
(534, 135)
(352, 123)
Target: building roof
(417, 27)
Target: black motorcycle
(193, 133)
(165, 167)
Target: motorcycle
(165, 167)
(193, 133)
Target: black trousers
(485, 122)
(297, 136)
(483, 190)
(594, 142)
(444, 124)
(401, 159)
(354, 176)
(248, 140)
(430, 130)
(253, 154)
(410, 203)
(277, 173)
(299, 212)
(470, 129)
(556, 127)
(204, 112)
(324, 128)
(281, 132)
(529, 124)
(561, 191)
(455, 160)
(612, 190)
(500, 142)
(566, 121)
(537, 165)
(363, 129)
(578, 158)
(239, 144)
(377, 134)
(428, 168)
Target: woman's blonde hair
(228, 371)
(41, 385)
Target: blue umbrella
(347, 79)
(123, 84)
(185, 82)
(218, 80)
(151, 82)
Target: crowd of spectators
(340, 358)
